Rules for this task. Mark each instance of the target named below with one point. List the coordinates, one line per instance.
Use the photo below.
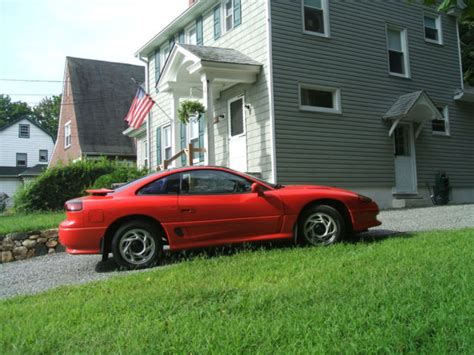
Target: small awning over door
(416, 107)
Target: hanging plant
(188, 109)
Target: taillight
(73, 205)
(364, 198)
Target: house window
(397, 51)
(228, 15)
(145, 153)
(43, 156)
(67, 135)
(315, 16)
(24, 131)
(166, 52)
(432, 28)
(21, 159)
(167, 143)
(191, 37)
(441, 127)
(320, 98)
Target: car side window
(210, 182)
(167, 185)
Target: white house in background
(25, 149)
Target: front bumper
(365, 218)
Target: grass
(402, 294)
(10, 223)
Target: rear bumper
(81, 240)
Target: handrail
(189, 151)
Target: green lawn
(30, 222)
(401, 294)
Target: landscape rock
(2, 236)
(8, 244)
(51, 251)
(41, 240)
(40, 249)
(50, 233)
(51, 243)
(6, 256)
(19, 253)
(29, 243)
(30, 254)
(34, 236)
(18, 236)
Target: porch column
(208, 99)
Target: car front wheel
(136, 245)
(321, 225)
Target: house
(96, 98)
(25, 150)
(362, 95)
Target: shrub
(122, 174)
(59, 184)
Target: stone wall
(25, 245)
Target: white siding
(250, 38)
(10, 144)
(9, 185)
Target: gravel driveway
(45, 272)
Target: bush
(59, 184)
(122, 174)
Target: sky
(37, 35)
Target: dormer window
(24, 131)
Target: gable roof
(102, 93)
(219, 55)
(407, 102)
(29, 119)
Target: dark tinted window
(203, 182)
(164, 186)
(236, 118)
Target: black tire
(137, 245)
(321, 225)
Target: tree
(47, 113)
(12, 110)
(466, 33)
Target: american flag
(141, 106)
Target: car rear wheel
(321, 225)
(137, 245)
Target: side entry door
(216, 204)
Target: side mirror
(258, 189)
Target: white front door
(405, 160)
(237, 135)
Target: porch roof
(225, 67)
(416, 107)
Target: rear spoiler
(100, 192)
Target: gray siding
(353, 148)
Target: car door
(215, 204)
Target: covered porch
(202, 74)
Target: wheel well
(336, 204)
(109, 233)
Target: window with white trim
(167, 142)
(191, 37)
(432, 25)
(21, 159)
(24, 131)
(441, 127)
(43, 156)
(145, 152)
(228, 15)
(397, 51)
(67, 135)
(315, 17)
(165, 53)
(320, 99)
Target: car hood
(316, 187)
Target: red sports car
(207, 206)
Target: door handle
(188, 210)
